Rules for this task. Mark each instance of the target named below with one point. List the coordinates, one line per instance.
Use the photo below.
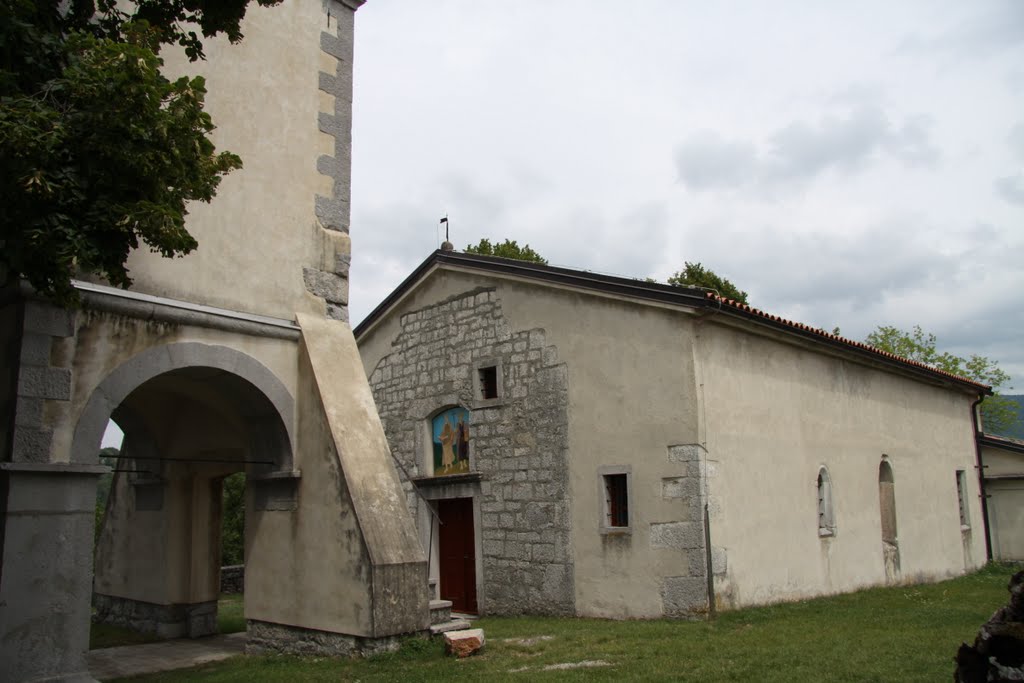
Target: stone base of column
(268, 638)
(165, 621)
(48, 515)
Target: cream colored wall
(261, 229)
(1006, 502)
(631, 396)
(318, 547)
(774, 413)
(999, 462)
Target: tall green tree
(233, 529)
(506, 249)
(108, 457)
(99, 151)
(699, 276)
(998, 413)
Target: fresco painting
(450, 431)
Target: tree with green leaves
(99, 151)
(998, 413)
(108, 457)
(506, 249)
(699, 276)
(232, 541)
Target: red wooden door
(457, 552)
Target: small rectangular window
(616, 500)
(961, 496)
(488, 377)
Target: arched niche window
(887, 502)
(449, 436)
(826, 518)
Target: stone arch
(268, 407)
(427, 453)
(192, 413)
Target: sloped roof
(691, 297)
(1003, 442)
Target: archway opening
(193, 438)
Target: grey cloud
(963, 287)
(802, 150)
(1015, 141)
(911, 143)
(1011, 188)
(706, 161)
(1000, 28)
(633, 241)
(854, 272)
(469, 204)
(1014, 80)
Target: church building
(580, 444)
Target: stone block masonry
(685, 595)
(232, 579)
(518, 441)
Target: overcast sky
(850, 164)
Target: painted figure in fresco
(448, 436)
(451, 441)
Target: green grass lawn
(229, 620)
(901, 634)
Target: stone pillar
(46, 570)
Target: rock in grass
(998, 652)
(464, 643)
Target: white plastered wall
(1005, 487)
(261, 229)
(773, 414)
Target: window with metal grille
(826, 519)
(616, 500)
(961, 496)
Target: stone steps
(440, 611)
(441, 620)
(451, 625)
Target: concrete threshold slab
(132, 660)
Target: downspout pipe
(980, 466)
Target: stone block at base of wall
(684, 596)
(165, 621)
(232, 579)
(264, 637)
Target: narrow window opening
(826, 520)
(887, 503)
(488, 377)
(616, 500)
(961, 495)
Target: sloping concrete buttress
(398, 570)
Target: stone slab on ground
(446, 626)
(464, 643)
(133, 660)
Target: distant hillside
(1016, 431)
